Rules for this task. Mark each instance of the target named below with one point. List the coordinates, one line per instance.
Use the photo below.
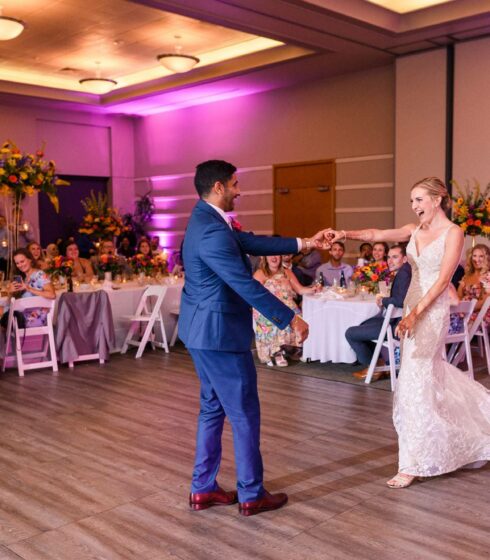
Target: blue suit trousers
(228, 388)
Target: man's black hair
(210, 172)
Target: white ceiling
(244, 45)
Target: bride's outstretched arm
(372, 235)
(452, 255)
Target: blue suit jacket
(399, 288)
(219, 290)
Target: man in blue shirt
(332, 270)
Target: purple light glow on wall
(182, 99)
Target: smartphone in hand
(17, 279)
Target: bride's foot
(401, 480)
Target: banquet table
(124, 300)
(329, 315)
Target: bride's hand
(406, 326)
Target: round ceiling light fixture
(177, 62)
(98, 86)
(10, 27)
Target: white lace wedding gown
(442, 416)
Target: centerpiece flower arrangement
(371, 274)
(60, 266)
(100, 221)
(471, 209)
(150, 266)
(109, 263)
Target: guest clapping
(284, 285)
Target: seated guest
(307, 263)
(82, 268)
(144, 248)
(380, 252)
(125, 249)
(51, 251)
(30, 281)
(155, 244)
(366, 252)
(288, 264)
(476, 278)
(37, 254)
(334, 268)
(283, 284)
(360, 338)
(107, 248)
(457, 276)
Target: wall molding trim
(364, 158)
(364, 210)
(365, 186)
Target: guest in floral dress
(285, 286)
(29, 282)
(476, 279)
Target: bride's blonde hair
(435, 187)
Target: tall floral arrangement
(60, 266)
(100, 221)
(24, 174)
(471, 209)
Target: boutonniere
(236, 225)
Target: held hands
(300, 328)
(320, 240)
(406, 326)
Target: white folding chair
(386, 339)
(480, 330)
(461, 341)
(148, 312)
(21, 334)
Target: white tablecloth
(328, 320)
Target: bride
(442, 417)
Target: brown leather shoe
(362, 374)
(268, 502)
(219, 497)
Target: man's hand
(300, 328)
(379, 300)
(319, 241)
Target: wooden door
(304, 198)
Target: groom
(216, 326)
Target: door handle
(282, 191)
(323, 188)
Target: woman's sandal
(402, 480)
(280, 360)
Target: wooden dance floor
(95, 464)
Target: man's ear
(217, 187)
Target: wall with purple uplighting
(80, 143)
(345, 116)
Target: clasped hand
(325, 237)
